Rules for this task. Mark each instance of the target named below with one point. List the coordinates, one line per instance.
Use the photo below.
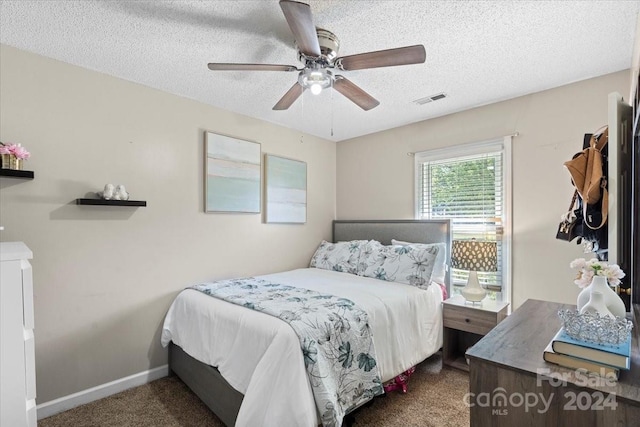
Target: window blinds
(469, 190)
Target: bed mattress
(260, 356)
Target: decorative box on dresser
(17, 352)
(464, 325)
(510, 383)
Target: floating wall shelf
(12, 173)
(102, 202)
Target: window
(470, 184)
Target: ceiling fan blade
(361, 98)
(215, 66)
(383, 58)
(289, 97)
(298, 16)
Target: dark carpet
(434, 399)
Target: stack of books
(599, 359)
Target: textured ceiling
(478, 52)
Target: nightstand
(465, 324)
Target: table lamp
(474, 256)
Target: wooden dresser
(510, 384)
(17, 352)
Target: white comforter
(260, 356)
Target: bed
(246, 365)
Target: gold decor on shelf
(6, 161)
(13, 156)
(15, 163)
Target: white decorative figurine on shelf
(114, 192)
(108, 192)
(121, 193)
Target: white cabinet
(17, 356)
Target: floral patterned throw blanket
(334, 334)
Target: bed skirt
(207, 383)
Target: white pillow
(410, 264)
(341, 256)
(440, 268)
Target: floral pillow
(440, 267)
(341, 256)
(410, 264)
(369, 256)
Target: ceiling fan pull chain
(302, 115)
(331, 107)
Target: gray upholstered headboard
(415, 231)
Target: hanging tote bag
(585, 167)
(586, 170)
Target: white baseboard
(83, 397)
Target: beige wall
(105, 276)
(376, 177)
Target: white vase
(611, 300)
(596, 305)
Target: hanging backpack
(588, 176)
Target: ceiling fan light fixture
(315, 79)
(316, 88)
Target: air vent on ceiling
(430, 98)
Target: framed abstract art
(285, 190)
(232, 174)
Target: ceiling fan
(318, 49)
